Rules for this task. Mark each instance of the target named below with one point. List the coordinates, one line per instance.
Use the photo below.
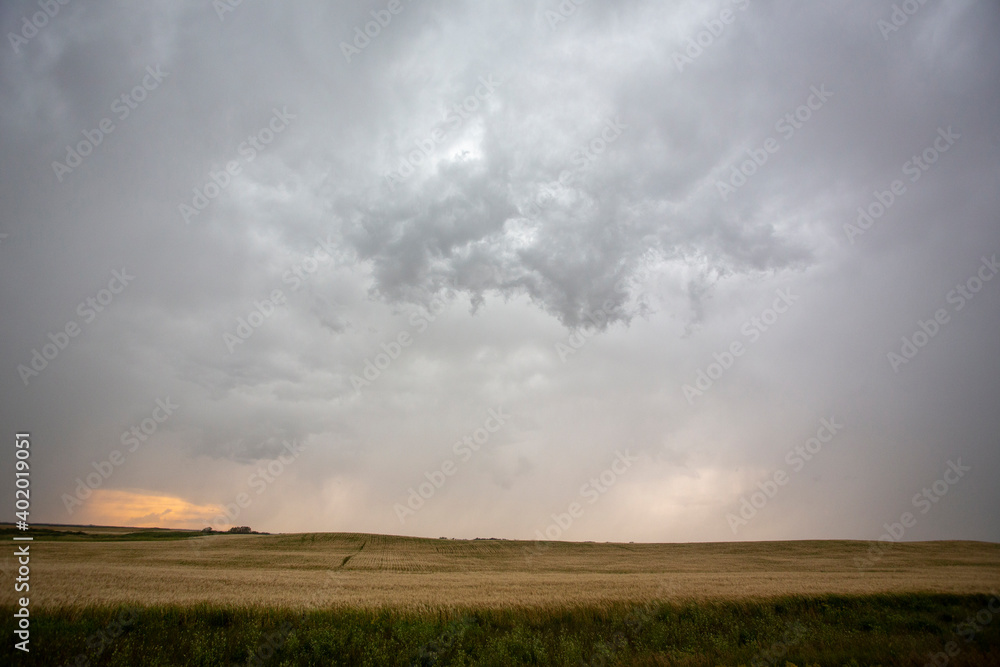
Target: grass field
(135, 596)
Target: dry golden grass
(373, 571)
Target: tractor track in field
(347, 558)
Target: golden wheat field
(375, 571)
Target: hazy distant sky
(529, 208)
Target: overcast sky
(498, 268)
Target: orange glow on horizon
(138, 508)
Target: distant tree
(243, 530)
(207, 530)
